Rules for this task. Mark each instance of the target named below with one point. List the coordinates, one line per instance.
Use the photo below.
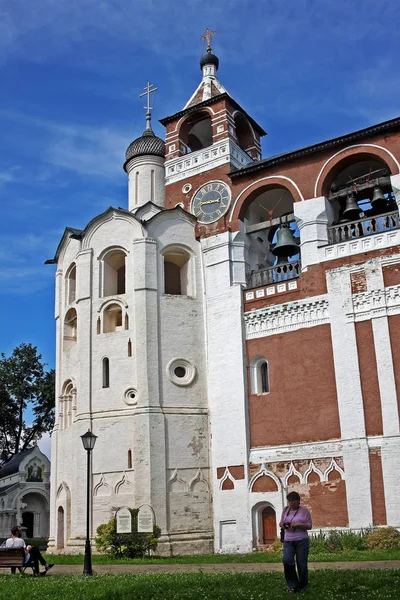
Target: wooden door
(269, 525)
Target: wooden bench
(15, 559)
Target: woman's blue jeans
(296, 580)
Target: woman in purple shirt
(295, 520)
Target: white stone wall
(166, 425)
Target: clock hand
(210, 201)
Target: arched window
(70, 285)
(129, 459)
(259, 376)
(112, 318)
(67, 405)
(70, 328)
(106, 372)
(177, 276)
(114, 273)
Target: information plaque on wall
(145, 519)
(124, 520)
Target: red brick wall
(369, 378)
(377, 490)
(325, 500)
(358, 282)
(391, 275)
(302, 403)
(394, 332)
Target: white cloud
(45, 445)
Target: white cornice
(281, 318)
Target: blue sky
(71, 72)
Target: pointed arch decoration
(265, 472)
(333, 466)
(312, 469)
(124, 486)
(292, 471)
(227, 482)
(197, 480)
(102, 488)
(177, 482)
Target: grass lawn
(255, 557)
(325, 585)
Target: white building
(215, 379)
(25, 494)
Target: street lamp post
(88, 441)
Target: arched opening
(27, 523)
(35, 515)
(114, 273)
(129, 459)
(70, 285)
(273, 236)
(361, 197)
(196, 131)
(60, 528)
(244, 133)
(268, 516)
(106, 372)
(70, 328)
(177, 275)
(112, 318)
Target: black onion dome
(209, 59)
(148, 143)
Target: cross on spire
(208, 34)
(149, 89)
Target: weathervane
(149, 89)
(207, 36)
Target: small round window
(181, 371)
(130, 397)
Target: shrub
(337, 541)
(384, 539)
(130, 545)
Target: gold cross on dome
(208, 34)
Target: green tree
(26, 392)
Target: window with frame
(106, 372)
(113, 273)
(70, 285)
(177, 273)
(259, 376)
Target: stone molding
(375, 303)
(376, 241)
(206, 159)
(287, 317)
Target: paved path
(213, 568)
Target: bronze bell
(286, 244)
(351, 210)
(378, 198)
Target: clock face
(211, 201)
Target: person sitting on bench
(31, 552)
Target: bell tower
(208, 138)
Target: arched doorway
(268, 525)
(27, 521)
(60, 527)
